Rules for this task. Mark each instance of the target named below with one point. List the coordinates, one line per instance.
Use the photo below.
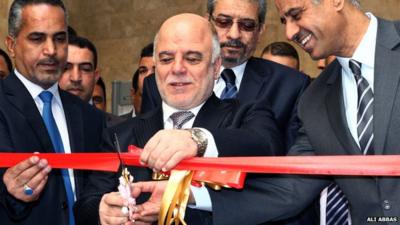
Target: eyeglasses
(248, 25)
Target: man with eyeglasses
(239, 24)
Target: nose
(50, 47)
(292, 29)
(179, 67)
(234, 31)
(75, 74)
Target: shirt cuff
(211, 150)
(202, 198)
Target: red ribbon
(227, 170)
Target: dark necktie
(337, 206)
(230, 90)
(180, 118)
(365, 108)
(56, 140)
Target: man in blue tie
(36, 116)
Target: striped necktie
(365, 109)
(230, 90)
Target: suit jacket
(262, 79)
(23, 130)
(251, 128)
(324, 132)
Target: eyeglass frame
(238, 21)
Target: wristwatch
(200, 138)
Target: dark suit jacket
(251, 128)
(22, 130)
(325, 132)
(262, 79)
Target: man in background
(282, 53)
(81, 73)
(5, 64)
(99, 97)
(145, 68)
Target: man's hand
(32, 173)
(148, 211)
(167, 148)
(110, 210)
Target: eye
(296, 13)
(247, 24)
(223, 22)
(68, 66)
(166, 60)
(143, 70)
(87, 68)
(36, 37)
(60, 38)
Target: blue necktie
(230, 90)
(55, 137)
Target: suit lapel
(250, 85)
(212, 107)
(386, 74)
(335, 109)
(19, 96)
(149, 124)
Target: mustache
(233, 43)
(51, 60)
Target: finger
(148, 148)
(174, 160)
(158, 151)
(140, 187)
(114, 199)
(110, 220)
(21, 166)
(39, 188)
(28, 174)
(38, 178)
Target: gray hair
(262, 9)
(356, 3)
(216, 48)
(15, 14)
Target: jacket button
(386, 205)
(64, 205)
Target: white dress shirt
(365, 54)
(200, 194)
(58, 113)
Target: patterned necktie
(230, 90)
(180, 118)
(365, 115)
(337, 206)
(56, 140)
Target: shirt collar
(169, 110)
(34, 89)
(365, 51)
(238, 70)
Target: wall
(120, 28)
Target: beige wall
(120, 28)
